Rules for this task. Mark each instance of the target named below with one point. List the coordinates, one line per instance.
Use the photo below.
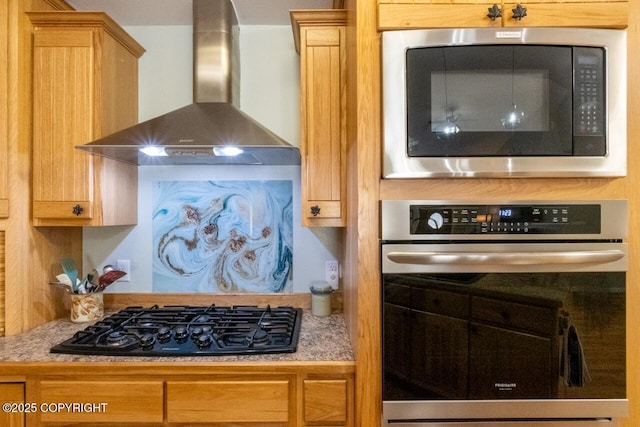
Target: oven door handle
(507, 258)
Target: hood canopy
(212, 131)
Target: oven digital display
(521, 219)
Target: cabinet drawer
(228, 401)
(110, 401)
(605, 14)
(440, 302)
(322, 209)
(513, 315)
(325, 401)
(434, 15)
(63, 210)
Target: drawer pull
(494, 12)
(77, 210)
(519, 12)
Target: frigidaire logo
(505, 386)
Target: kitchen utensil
(63, 286)
(69, 267)
(109, 277)
(93, 277)
(64, 279)
(108, 268)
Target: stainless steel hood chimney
(212, 130)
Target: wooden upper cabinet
(320, 39)
(85, 86)
(407, 14)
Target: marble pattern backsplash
(222, 236)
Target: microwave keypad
(588, 97)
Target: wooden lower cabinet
(268, 395)
(327, 402)
(12, 394)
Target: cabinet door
(323, 131)
(508, 364)
(326, 402)
(63, 117)
(229, 401)
(12, 393)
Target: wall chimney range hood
(212, 130)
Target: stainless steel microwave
(531, 102)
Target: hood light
(153, 151)
(227, 151)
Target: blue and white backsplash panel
(222, 236)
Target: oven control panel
(501, 219)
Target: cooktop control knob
(147, 340)
(204, 340)
(181, 333)
(164, 333)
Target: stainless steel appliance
(508, 313)
(504, 102)
(189, 331)
(213, 130)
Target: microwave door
(489, 101)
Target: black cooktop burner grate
(189, 331)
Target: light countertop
(321, 339)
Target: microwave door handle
(507, 258)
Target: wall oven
(504, 103)
(508, 313)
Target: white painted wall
(269, 93)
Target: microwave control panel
(505, 219)
(588, 115)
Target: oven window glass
(504, 336)
(501, 100)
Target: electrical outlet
(332, 273)
(124, 265)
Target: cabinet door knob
(77, 210)
(494, 12)
(315, 210)
(519, 12)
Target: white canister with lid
(321, 299)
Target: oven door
(516, 332)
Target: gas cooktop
(189, 331)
